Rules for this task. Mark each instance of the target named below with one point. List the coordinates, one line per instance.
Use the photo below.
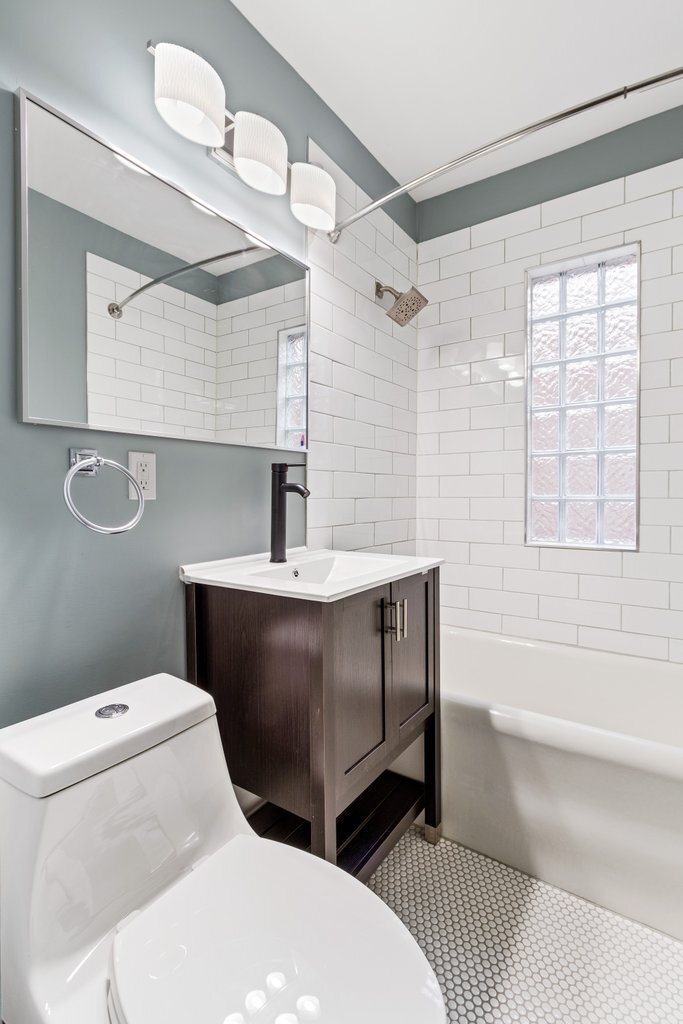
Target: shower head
(408, 304)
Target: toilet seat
(259, 933)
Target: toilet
(133, 890)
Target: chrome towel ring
(98, 461)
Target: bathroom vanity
(323, 671)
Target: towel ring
(97, 460)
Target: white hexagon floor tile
(509, 949)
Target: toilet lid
(260, 933)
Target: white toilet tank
(98, 814)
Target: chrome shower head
(408, 304)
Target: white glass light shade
(189, 94)
(313, 195)
(260, 153)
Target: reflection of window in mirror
(582, 402)
(291, 388)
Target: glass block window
(582, 402)
(292, 388)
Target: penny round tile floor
(510, 949)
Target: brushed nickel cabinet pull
(397, 610)
(405, 618)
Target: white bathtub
(568, 764)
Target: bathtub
(568, 764)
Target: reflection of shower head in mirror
(408, 304)
(115, 309)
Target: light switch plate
(143, 466)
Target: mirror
(217, 352)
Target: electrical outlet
(143, 466)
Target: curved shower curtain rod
(505, 140)
(115, 309)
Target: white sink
(308, 575)
(330, 568)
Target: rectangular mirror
(144, 311)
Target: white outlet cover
(143, 466)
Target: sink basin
(323, 570)
(308, 575)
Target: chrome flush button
(112, 711)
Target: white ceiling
(69, 166)
(420, 83)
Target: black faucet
(278, 509)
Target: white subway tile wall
(247, 356)
(177, 365)
(432, 460)
(470, 444)
(363, 383)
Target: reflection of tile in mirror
(179, 365)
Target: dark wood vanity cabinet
(316, 700)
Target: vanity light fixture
(313, 196)
(260, 153)
(190, 97)
(189, 94)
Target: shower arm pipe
(382, 289)
(505, 140)
(115, 309)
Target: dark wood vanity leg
(432, 740)
(324, 828)
(433, 780)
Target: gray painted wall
(654, 140)
(80, 612)
(257, 277)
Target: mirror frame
(22, 99)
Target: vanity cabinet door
(360, 688)
(412, 698)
